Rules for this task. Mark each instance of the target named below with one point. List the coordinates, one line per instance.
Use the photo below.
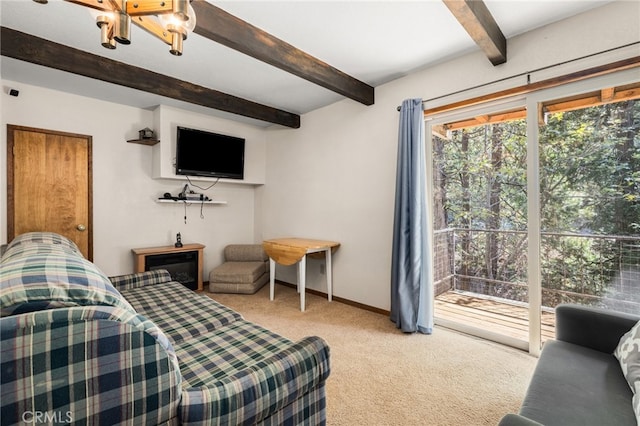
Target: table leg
(329, 275)
(302, 272)
(272, 277)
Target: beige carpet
(380, 376)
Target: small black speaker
(14, 92)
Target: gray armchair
(245, 270)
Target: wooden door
(49, 184)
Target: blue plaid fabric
(44, 238)
(140, 279)
(87, 365)
(73, 349)
(247, 378)
(44, 275)
(236, 372)
(181, 313)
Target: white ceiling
(373, 41)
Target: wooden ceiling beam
(474, 16)
(29, 48)
(220, 26)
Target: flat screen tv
(201, 153)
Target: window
(590, 206)
(535, 206)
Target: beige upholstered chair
(246, 270)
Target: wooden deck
(510, 319)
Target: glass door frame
(532, 101)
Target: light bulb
(105, 23)
(122, 28)
(190, 24)
(171, 21)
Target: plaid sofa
(78, 347)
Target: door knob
(81, 227)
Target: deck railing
(593, 270)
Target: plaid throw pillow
(44, 271)
(24, 241)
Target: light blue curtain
(411, 287)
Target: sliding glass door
(480, 223)
(536, 202)
(590, 204)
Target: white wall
(125, 214)
(334, 178)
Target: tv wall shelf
(169, 201)
(149, 142)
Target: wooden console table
(140, 256)
(289, 251)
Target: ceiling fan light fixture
(113, 17)
(180, 9)
(122, 28)
(190, 24)
(178, 28)
(176, 43)
(105, 23)
(171, 21)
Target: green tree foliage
(482, 171)
(590, 170)
(589, 184)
